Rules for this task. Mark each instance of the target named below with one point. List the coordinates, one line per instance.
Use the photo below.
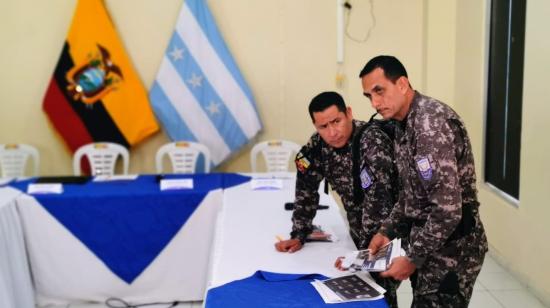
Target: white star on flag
(213, 108)
(176, 53)
(195, 80)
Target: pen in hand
(279, 244)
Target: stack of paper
(355, 287)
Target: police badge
(366, 180)
(424, 168)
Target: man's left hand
(400, 269)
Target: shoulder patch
(366, 179)
(424, 167)
(302, 162)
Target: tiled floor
(495, 288)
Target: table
(15, 280)
(247, 228)
(124, 239)
(246, 233)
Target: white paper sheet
(43, 188)
(170, 184)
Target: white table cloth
(247, 228)
(66, 270)
(16, 289)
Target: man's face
(386, 97)
(334, 126)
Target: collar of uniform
(356, 125)
(401, 126)
(412, 111)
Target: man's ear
(349, 114)
(403, 84)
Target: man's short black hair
(393, 68)
(324, 100)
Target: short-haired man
(437, 207)
(368, 196)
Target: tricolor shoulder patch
(302, 162)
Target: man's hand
(291, 245)
(400, 269)
(338, 264)
(378, 240)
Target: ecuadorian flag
(95, 94)
(199, 94)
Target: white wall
(518, 235)
(285, 49)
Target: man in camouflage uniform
(437, 207)
(328, 155)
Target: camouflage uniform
(438, 205)
(378, 182)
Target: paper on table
(117, 177)
(171, 184)
(355, 287)
(54, 188)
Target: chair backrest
(102, 157)
(14, 157)
(276, 153)
(183, 156)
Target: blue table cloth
(126, 224)
(266, 289)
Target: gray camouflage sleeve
(377, 158)
(437, 171)
(395, 225)
(308, 177)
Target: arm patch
(302, 162)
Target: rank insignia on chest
(366, 180)
(302, 163)
(424, 168)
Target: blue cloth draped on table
(266, 289)
(122, 222)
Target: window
(504, 101)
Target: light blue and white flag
(199, 94)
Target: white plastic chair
(276, 153)
(102, 157)
(183, 156)
(14, 157)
